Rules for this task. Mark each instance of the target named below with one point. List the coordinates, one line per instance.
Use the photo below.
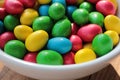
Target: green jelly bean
(56, 11)
(80, 16)
(15, 48)
(86, 5)
(102, 44)
(49, 57)
(11, 22)
(42, 23)
(96, 18)
(62, 28)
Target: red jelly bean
(105, 7)
(88, 32)
(3, 13)
(74, 29)
(30, 57)
(93, 1)
(5, 37)
(13, 6)
(76, 42)
(71, 1)
(68, 58)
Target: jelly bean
(74, 28)
(68, 58)
(102, 44)
(87, 45)
(63, 2)
(71, 1)
(2, 3)
(5, 37)
(42, 23)
(84, 55)
(114, 35)
(36, 40)
(25, 30)
(56, 11)
(88, 32)
(62, 28)
(79, 1)
(1, 27)
(105, 7)
(30, 57)
(28, 16)
(93, 1)
(49, 57)
(28, 3)
(59, 44)
(110, 21)
(44, 1)
(11, 22)
(76, 42)
(70, 10)
(43, 10)
(3, 13)
(80, 16)
(86, 5)
(96, 18)
(15, 48)
(114, 3)
(11, 5)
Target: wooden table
(111, 72)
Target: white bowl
(66, 72)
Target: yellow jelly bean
(79, 1)
(114, 2)
(114, 35)
(1, 3)
(112, 22)
(22, 31)
(84, 55)
(87, 45)
(36, 40)
(44, 1)
(28, 16)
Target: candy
(56, 11)
(1, 3)
(2, 13)
(63, 2)
(42, 23)
(49, 57)
(28, 3)
(43, 10)
(11, 22)
(36, 40)
(86, 5)
(5, 37)
(59, 44)
(28, 16)
(114, 3)
(74, 28)
(105, 7)
(96, 18)
(15, 48)
(62, 28)
(25, 30)
(1, 27)
(11, 5)
(110, 21)
(30, 57)
(114, 35)
(71, 1)
(93, 1)
(84, 55)
(80, 16)
(44, 1)
(102, 44)
(76, 42)
(88, 32)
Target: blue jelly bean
(1, 27)
(63, 2)
(59, 44)
(43, 10)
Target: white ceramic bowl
(67, 72)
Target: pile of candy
(58, 32)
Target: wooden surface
(111, 72)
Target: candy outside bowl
(64, 72)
